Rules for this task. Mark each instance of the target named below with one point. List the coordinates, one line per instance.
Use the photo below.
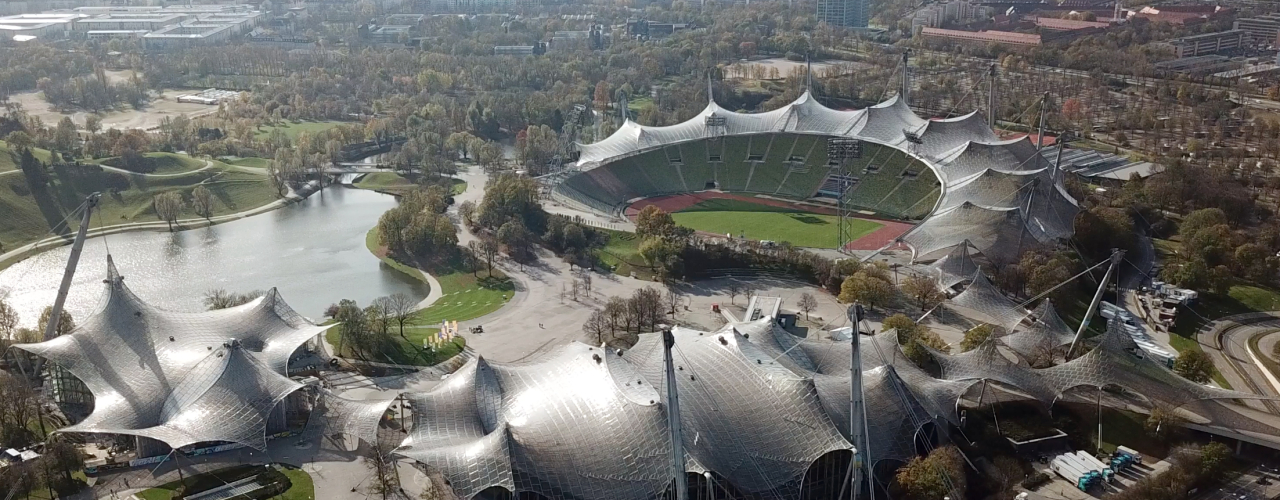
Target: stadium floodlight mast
(843, 149)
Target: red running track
(877, 239)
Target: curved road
(1227, 343)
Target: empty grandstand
(954, 174)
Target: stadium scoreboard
(844, 148)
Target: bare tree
(221, 299)
(619, 315)
(734, 289)
(597, 325)
(646, 306)
(202, 201)
(585, 276)
(386, 480)
(807, 303)
(401, 308)
(673, 299)
(167, 206)
(574, 286)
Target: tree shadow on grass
(808, 219)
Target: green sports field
(763, 222)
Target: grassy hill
(292, 129)
(126, 198)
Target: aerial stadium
(953, 176)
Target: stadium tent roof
(956, 267)
(181, 378)
(758, 405)
(754, 415)
(1020, 192)
(1044, 336)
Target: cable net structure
(956, 267)
(1001, 195)
(1042, 336)
(759, 408)
(988, 304)
(181, 378)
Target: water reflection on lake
(313, 252)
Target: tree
(168, 206)
(935, 476)
(222, 299)
(923, 290)
(734, 289)
(490, 247)
(60, 459)
(467, 212)
(597, 326)
(663, 255)
(807, 303)
(400, 307)
(1194, 365)
(9, 321)
(19, 140)
(1215, 457)
(656, 223)
(65, 324)
(65, 137)
(516, 238)
(646, 306)
(867, 288)
(974, 337)
(1162, 421)
(93, 124)
(351, 334)
(17, 410)
(674, 298)
(202, 201)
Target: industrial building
(998, 37)
(1208, 43)
(1262, 30)
(163, 27)
(959, 11)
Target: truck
(1130, 452)
(1094, 464)
(1120, 462)
(1084, 479)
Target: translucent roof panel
(178, 377)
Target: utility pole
(674, 426)
(55, 314)
(1117, 255)
(991, 98)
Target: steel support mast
(673, 418)
(906, 77)
(991, 98)
(1117, 255)
(55, 314)
(858, 411)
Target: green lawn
(383, 181)
(248, 162)
(301, 486)
(622, 254)
(466, 295)
(763, 222)
(164, 163)
(9, 160)
(292, 129)
(125, 198)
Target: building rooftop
(991, 36)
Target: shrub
(1035, 480)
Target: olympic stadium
(954, 176)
